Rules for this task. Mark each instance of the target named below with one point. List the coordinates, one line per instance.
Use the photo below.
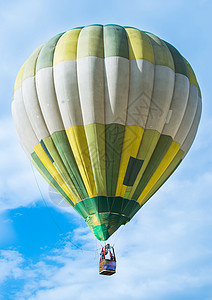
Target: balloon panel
(106, 114)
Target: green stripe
(81, 209)
(95, 135)
(192, 77)
(109, 223)
(100, 231)
(114, 137)
(199, 92)
(45, 58)
(162, 54)
(64, 149)
(191, 74)
(179, 63)
(133, 169)
(148, 143)
(90, 42)
(45, 173)
(147, 146)
(103, 204)
(157, 156)
(29, 70)
(115, 41)
(60, 167)
(104, 215)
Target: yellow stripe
(50, 167)
(49, 182)
(192, 77)
(131, 144)
(78, 142)
(148, 144)
(66, 48)
(139, 45)
(58, 164)
(169, 156)
(19, 78)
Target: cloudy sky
(46, 251)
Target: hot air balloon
(106, 114)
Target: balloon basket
(107, 266)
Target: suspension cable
(52, 217)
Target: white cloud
(165, 250)
(17, 182)
(10, 265)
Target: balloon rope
(118, 235)
(49, 211)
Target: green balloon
(106, 114)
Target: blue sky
(165, 252)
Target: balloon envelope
(106, 114)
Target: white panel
(23, 126)
(33, 108)
(192, 133)
(116, 89)
(188, 115)
(161, 98)
(66, 86)
(90, 71)
(168, 118)
(178, 104)
(141, 87)
(48, 101)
